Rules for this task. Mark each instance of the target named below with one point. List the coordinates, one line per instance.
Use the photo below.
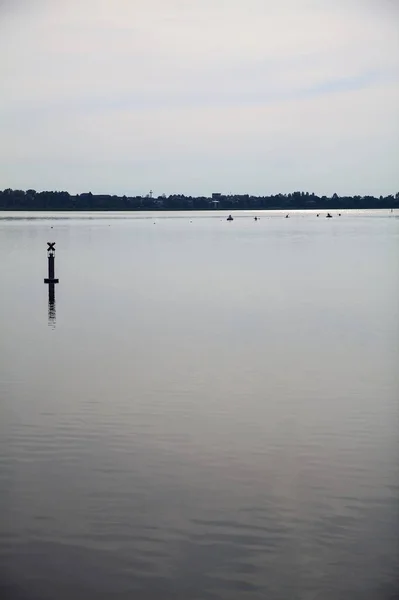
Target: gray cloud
(196, 95)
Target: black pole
(51, 279)
(51, 266)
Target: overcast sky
(199, 96)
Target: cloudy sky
(198, 96)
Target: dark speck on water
(212, 413)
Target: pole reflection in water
(51, 305)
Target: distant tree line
(54, 201)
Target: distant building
(216, 196)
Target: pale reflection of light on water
(214, 416)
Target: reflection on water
(51, 305)
(215, 415)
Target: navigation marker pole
(51, 259)
(51, 280)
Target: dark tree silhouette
(14, 200)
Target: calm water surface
(208, 411)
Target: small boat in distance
(230, 218)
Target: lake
(207, 410)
